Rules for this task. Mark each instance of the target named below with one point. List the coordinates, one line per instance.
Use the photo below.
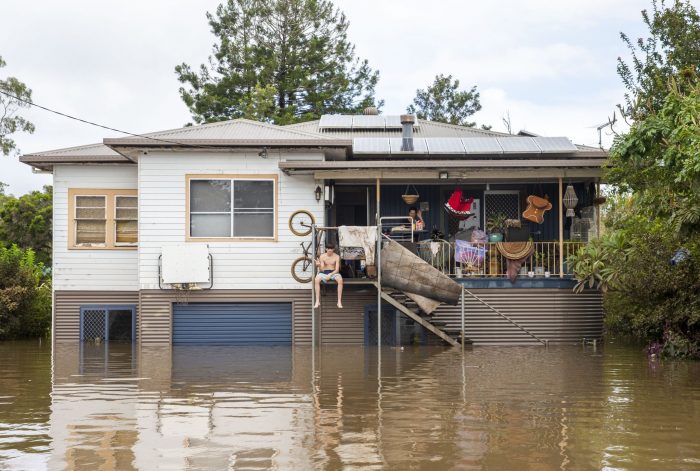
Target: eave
(460, 169)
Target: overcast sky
(550, 64)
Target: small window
(102, 219)
(126, 220)
(232, 208)
(90, 220)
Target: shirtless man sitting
(329, 268)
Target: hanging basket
(410, 198)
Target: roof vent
(371, 111)
(407, 121)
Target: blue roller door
(232, 324)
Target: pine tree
(280, 61)
(444, 102)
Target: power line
(85, 121)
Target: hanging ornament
(570, 201)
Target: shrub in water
(25, 295)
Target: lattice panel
(388, 327)
(94, 324)
(506, 203)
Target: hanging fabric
(458, 207)
(410, 198)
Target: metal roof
(78, 151)
(92, 153)
(466, 146)
(422, 128)
(516, 163)
(371, 135)
(237, 129)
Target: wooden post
(313, 288)
(597, 210)
(378, 261)
(377, 202)
(561, 228)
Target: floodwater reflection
(192, 408)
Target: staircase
(488, 323)
(401, 302)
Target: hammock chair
(458, 207)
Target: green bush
(644, 294)
(25, 295)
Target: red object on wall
(457, 206)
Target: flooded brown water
(529, 408)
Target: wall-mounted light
(263, 153)
(317, 193)
(443, 175)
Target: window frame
(125, 244)
(110, 196)
(232, 177)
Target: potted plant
(541, 263)
(496, 225)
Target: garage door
(232, 324)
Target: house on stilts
(205, 234)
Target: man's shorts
(326, 276)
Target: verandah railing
(484, 259)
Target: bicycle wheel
(300, 222)
(302, 269)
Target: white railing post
(313, 287)
(378, 261)
(462, 316)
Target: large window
(102, 219)
(231, 207)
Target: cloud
(567, 118)
(552, 64)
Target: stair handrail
(543, 342)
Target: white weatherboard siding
(103, 270)
(237, 264)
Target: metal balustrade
(487, 260)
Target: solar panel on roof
(555, 144)
(444, 145)
(518, 145)
(419, 146)
(367, 122)
(335, 121)
(392, 122)
(481, 145)
(371, 145)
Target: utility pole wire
(97, 124)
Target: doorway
(108, 324)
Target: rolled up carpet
(406, 271)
